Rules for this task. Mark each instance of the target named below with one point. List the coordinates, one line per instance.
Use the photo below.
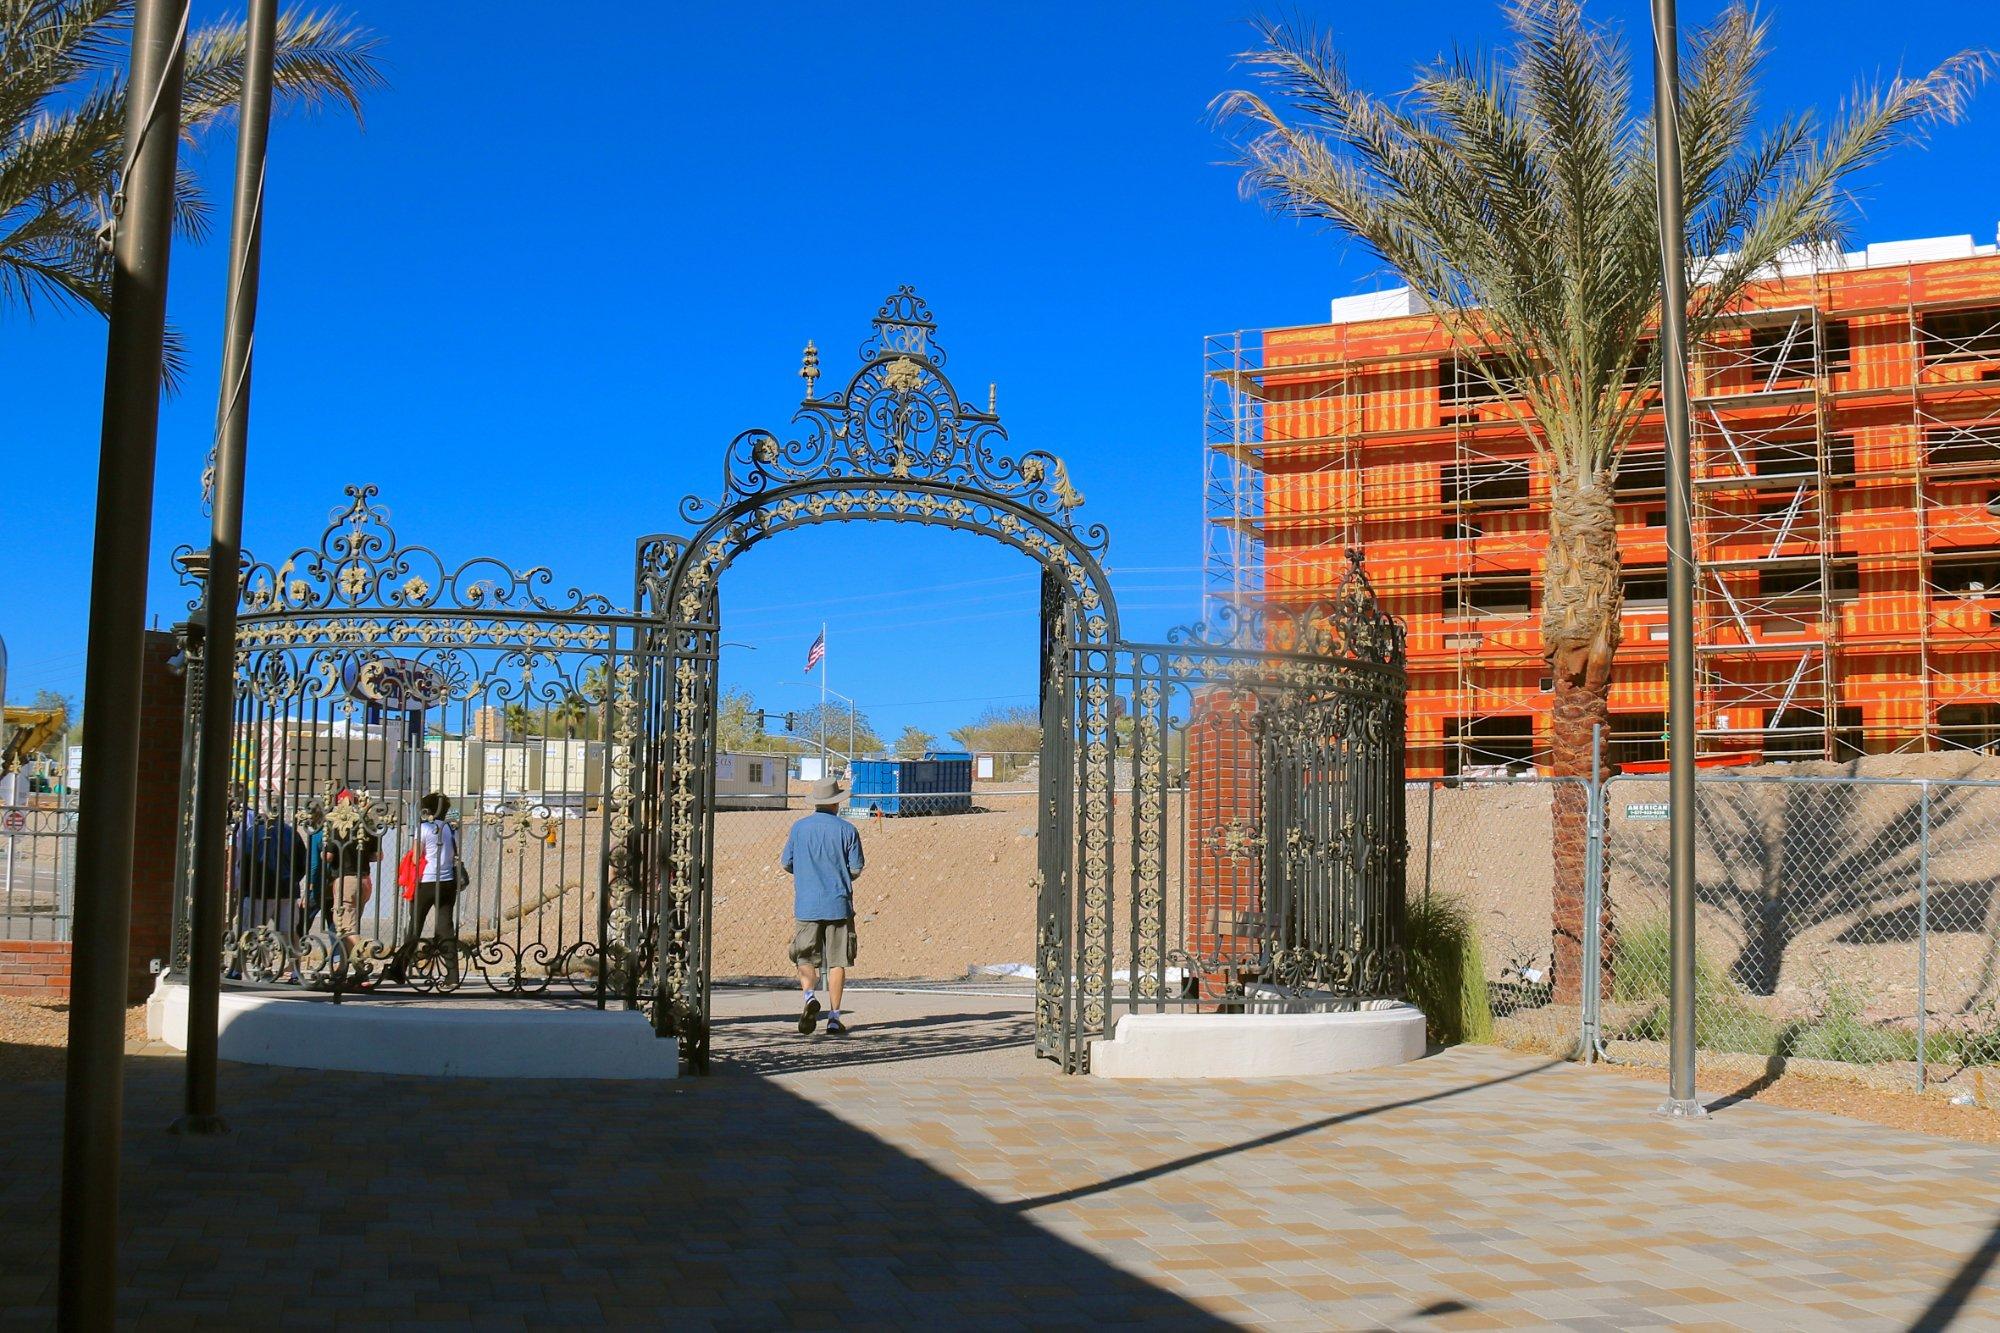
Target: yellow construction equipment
(27, 731)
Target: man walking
(823, 856)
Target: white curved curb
(505, 1040)
(1258, 1045)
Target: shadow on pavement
(771, 1044)
(1950, 1302)
(354, 1199)
(1266, 1140)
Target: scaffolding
(1846, 517)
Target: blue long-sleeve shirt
(823, 855)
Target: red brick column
(155, 831)
(1225, 890)
(40, 968)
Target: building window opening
(1967, 572)
(1978, 444)
(1489, 595)
(1488, 744)
(1969, 727)
(1645, 587)
(1796, 733)
(1961, 335)
(1641, 475)
(1465, 381)
(1788, 454)
(1637, 738)
(1485, 482)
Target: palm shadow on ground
(1783, 860)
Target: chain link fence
(1844, 925)
(1485, 849)
(944, 897)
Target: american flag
(816, 652)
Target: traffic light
(760, 722)
(791, 723)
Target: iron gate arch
(1258, 853)
(897, 443)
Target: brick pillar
(1225, 891)
(155, 833)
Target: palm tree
(62, 129)
(1516, 196)
(570, 714)
(520, 721)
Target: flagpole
(823, 772)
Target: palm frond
(323, 60)
(63, 112)
(1517, 196)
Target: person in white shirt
(438, 881)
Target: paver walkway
(928, 1172)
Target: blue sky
(567, 262)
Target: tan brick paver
(811, 1185)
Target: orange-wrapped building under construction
(1847, 514)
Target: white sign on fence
(1654, 810)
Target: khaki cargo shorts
(824, 943)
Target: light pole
(1681, 1100)
(142, 213)
(219, 587)
(852, 709)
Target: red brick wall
(40, 968)
(34, 968)
(1224, 853)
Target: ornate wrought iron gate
(896, 443)
(371, 673)
(1237, 787)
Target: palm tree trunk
(1581, 597)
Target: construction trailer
(746, 781)
(1846, 455)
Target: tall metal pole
(225, 545)
(1681, 1099)
(142, 212)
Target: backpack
(410, 870)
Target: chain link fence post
(1923, 933)
(1593, 898)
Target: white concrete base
(1259, 1045)
(501, 1040)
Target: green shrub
(1840, 1033)
(1641, 971)
(1448, 971)
(1720, 1024)
(1642, 964)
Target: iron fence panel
(37, 870)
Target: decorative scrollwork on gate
(368, 663)
(899, 419)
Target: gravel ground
(35, 1033)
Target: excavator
(28, 731)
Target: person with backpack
(269, 860)
(430, 874)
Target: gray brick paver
(895, 1196)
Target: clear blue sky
(568, 261)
